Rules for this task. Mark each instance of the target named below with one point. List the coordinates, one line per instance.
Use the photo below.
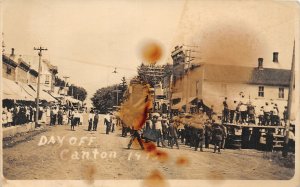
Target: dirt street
(81, 154)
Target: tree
(59, 82)
(105, 98)
(77, 92)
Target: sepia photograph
(149, 93)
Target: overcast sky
(87, 39)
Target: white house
(212, 83)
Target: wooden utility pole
(65, 85)
(40, 49)
(117, 90)
(289, 107)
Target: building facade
(21, 78)
(8, 68)
(47, 76)
(22, 71)
(32, 76)
(209, 84)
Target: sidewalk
(13, 130)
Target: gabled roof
(250, 75)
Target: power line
(96, 64)
(85, 62)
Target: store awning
(12, 90)
(57, 96)
(43, 94)
(8, 92)
(72, 100)
(177, 95)
(28, 89)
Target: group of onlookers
(18, 114)
(61, 115)
(166, 131)
(244, 111)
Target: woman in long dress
(44, 115)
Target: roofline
(207, 64)
(248, 82)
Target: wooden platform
(253, 126)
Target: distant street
(28, 161)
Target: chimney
(12, 52)
(260, 63)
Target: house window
(8, 70)
(275, 57)
(261, 91)
(281, 93)
(47, 80)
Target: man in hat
(172, 134)
(180, 130)
(237, 112)
(217, 135)
(207, 135)
(55, 112)
(135, 133)
(51, 116)
(199, 141)
(225, 110)
(73, 121)
(231, 109)
(107, 122)
(261, 116)
(251, 113)
(165, 126)
(285, 115)
(91, 118)
(210, 112)
(275, 120)
(113, 122)
(267, 111)
(243, 109)
(95, 122)
(60, 116)
(76, 116)
(158, 128)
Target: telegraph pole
(289, 106)
(40, 49)
(117, 90)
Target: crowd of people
(62, 115)
(166, 132)
(244, 112)
(163, 129)
(19, 114)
